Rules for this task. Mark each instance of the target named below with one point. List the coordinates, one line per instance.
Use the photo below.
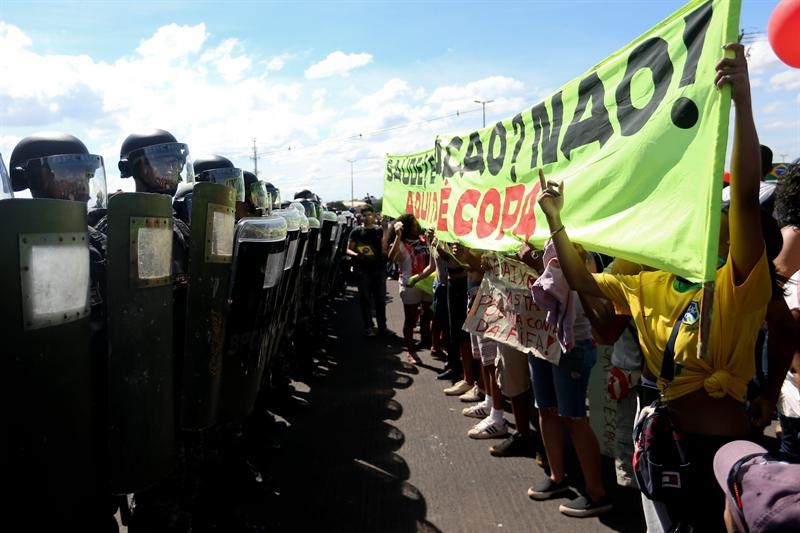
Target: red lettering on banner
(441, 221)
(410, 203)
(461, 226)
(416, 204)
(514, 195)
(527, 221)
(491, 198)
(482, 325)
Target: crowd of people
(717, 402)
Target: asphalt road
(378, 447)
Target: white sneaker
(473, 395)
(488, 429)
(476, 411)
(458, 389)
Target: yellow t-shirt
(737, 315)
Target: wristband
(553, 233)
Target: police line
(639, 141)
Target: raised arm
(551, 200)
(746, 241)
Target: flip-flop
(413, 359)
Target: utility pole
(352, 196)
(483, 104)
(255, 157)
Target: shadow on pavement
(338, 467)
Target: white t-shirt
(789, 403)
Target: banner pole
(706, 305)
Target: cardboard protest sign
(503, 310)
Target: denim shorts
(564, 386)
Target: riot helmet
(218, 169)
(311, 201)
(58, 166)
(303, 218)
(274, 194)
(5, 181)
(256, 194)
(156, 161)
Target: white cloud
(230, 66)
(786, 80)
(391, 91)
(12, 38)
(173, 41)
(760, 56)
(772, 107)
(276, 63)
(337, 63)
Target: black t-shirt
(368, 244)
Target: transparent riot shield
(325, 250)
(286, 289)
(210, 256)
(46, 444)
(258, 261)
(141, 395)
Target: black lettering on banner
(546, 131)
(495, 163)
(519, 130)
(597, 126)
(415, 170)
(474, 158)
(651, 54)
(684, 111)
(448, 170)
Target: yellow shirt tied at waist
(737, 314)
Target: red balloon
(784, 32)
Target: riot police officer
(58, 166)
(219, 169)
(256, 195)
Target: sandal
(414, 359)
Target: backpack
(660, 460)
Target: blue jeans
(790, 438)
(564, 386)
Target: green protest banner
(411, 185)
(639, 141)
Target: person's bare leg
(521, 407)
(588, 450)
(553, 437)
(465, 350)
(491, 387)
(409, 321)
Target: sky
(323, 89)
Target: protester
(762, 493)
(706, 396)
(410, 251)
(560, 392)
(365, 247)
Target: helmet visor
(76, 177)
(258, 196)
(5, 182)
(230, 177)
(162, 166)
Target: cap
(765, 192)
(763, 492)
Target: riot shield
(258, 260)
(141, 396)
(46, 444)
(210, 256)
(325, 250)
(286, 288)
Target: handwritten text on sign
(504, 310)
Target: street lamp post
(483, 104)
(352, 196)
